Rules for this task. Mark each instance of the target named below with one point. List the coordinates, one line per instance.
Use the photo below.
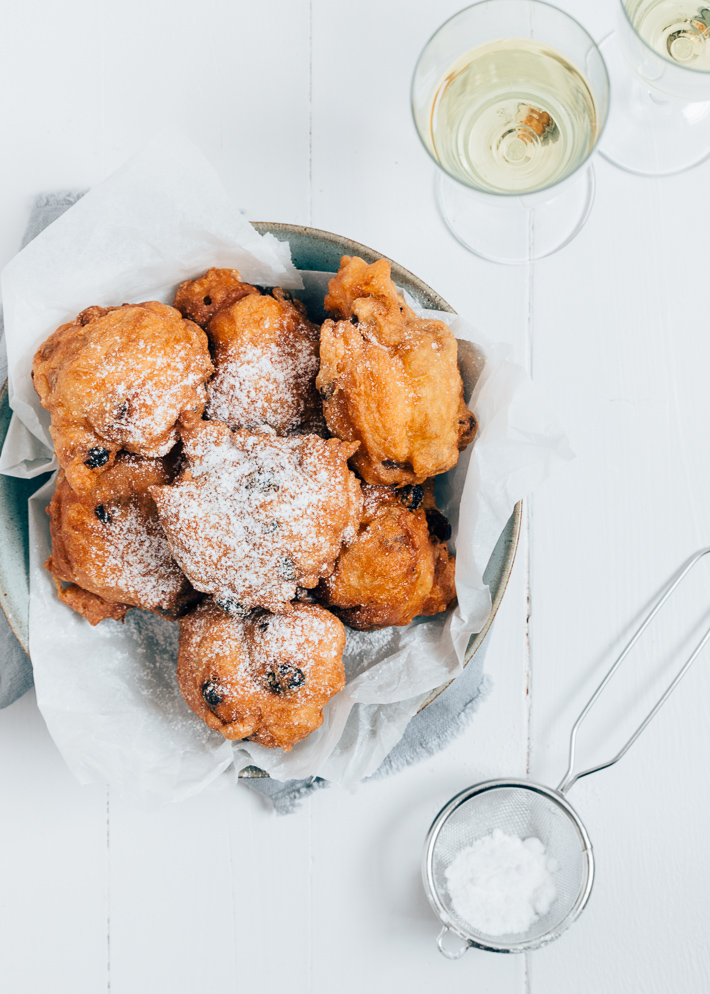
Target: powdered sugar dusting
(258, 515)
(263, 384)
(366, 649)
(264, 677)
(138, 410)
(262, 642)
(135, 558)
(300, 636)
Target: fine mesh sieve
(520, 809)
(523, 810)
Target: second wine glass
(659, 61)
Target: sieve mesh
(521, 810)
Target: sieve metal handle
(570, 778)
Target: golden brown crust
(443, 592)
(109, 546)
(266, 677)
(390, 380)
(396, 567)
(255, 516)
(265, 352)
(118, 378)
(91, 606)
(199, 300)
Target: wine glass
(510, 98)
(659, 62)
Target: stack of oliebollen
(229, 463)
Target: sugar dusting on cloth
(502, 884)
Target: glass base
(648, 134)
(509, 230)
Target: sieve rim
(472, 938)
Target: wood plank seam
(108, 889)
(310, 113)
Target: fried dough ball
(397, 566)
(265, 352)
(266, 677)
(254, 516)
(199, 300)
(390, 380)
(118, 378)
(109, 547)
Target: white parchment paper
(109, 694)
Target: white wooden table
(302, 105)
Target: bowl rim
(356, 248)
(473, 646)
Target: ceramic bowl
(312, 250)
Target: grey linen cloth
(15, 668)
(427, 732)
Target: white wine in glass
(513, 116)
(676, 29)
(659, 61)
(509, 98)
